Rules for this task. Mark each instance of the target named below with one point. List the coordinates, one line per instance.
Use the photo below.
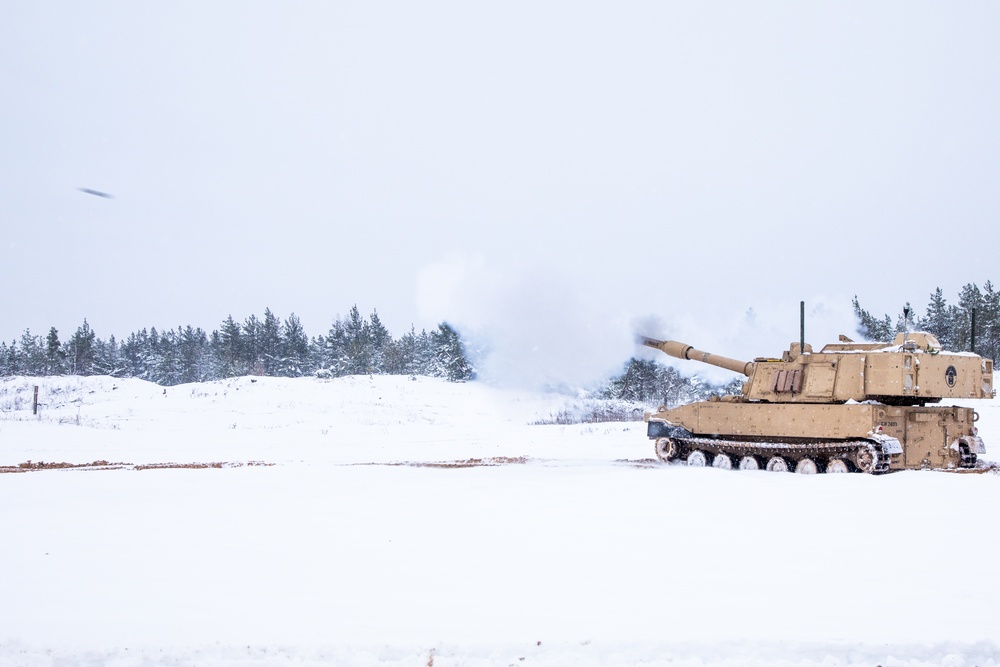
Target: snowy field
(388, 521)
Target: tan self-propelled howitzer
(849, 407)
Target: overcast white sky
(582, 165)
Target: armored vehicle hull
(872, 438)
(850, 407)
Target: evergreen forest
(267, 346)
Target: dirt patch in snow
(33, 466)
(640, 463)
(494, 461)
(464, 463)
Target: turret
(913, 370)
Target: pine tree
(350, 349)
(31, 356)
(645, 381)
(155, 358)
(319, 355)
(400, 357)
(270, 343)
(228, 348)
(426, 361)
(54, 354)
(988, 340)
(80, 350)
(639, 382)
(938, 320)
(871, 328)
(253, 345)
(294, 351)
(336, 355)
(449, 351)
(193, 355)
(379, 340)
(107, 357)
(167, 369)
(8, 359)
(137, 355)
(969, 299)
(360, 352)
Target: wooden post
(34, 405)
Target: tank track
(821, 449)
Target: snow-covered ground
(569, 547)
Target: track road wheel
(749, 463)
(776, 464)
(806, 466)
(723, 461)
(837, 465)
(666, 449)
(697, 459)
(866, 458)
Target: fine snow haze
(529, 326)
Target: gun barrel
(684, 351)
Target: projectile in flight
(96, 192)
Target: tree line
(356, 345)
(970, 325)
(268, 346)
(650, 383)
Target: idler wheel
(837, 465)
(666, 449)
(697, 459)
(722, 461)
(749, 463)
(806, 466)
(866, 458)
(776, 464)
